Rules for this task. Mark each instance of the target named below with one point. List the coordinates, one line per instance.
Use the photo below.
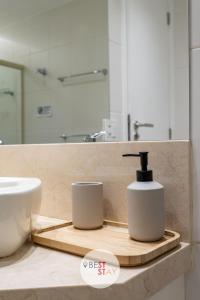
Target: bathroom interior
(85, 85)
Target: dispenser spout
(144, 174)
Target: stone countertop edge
(39, 273)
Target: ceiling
(12, 11)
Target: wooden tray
(113, 236)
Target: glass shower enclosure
(11, 103)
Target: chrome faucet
(94, 136)
(88, 138)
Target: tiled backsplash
(58, 165)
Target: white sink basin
(20, 200)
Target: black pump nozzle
(144, 174)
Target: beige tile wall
(58, 165)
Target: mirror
(93, 70)
(11, 103)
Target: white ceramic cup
(87, 205)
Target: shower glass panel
(10, 105)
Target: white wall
(179, 77)
(193, 279)
(117, 69)
(68, 39)
(174, 291)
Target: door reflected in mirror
(93, 71)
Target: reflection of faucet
(88, 138)
(94, 136)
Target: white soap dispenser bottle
(146, 221)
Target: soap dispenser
(146, 222)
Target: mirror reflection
(93, 70)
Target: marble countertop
(39, 273)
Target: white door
(149, 67)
